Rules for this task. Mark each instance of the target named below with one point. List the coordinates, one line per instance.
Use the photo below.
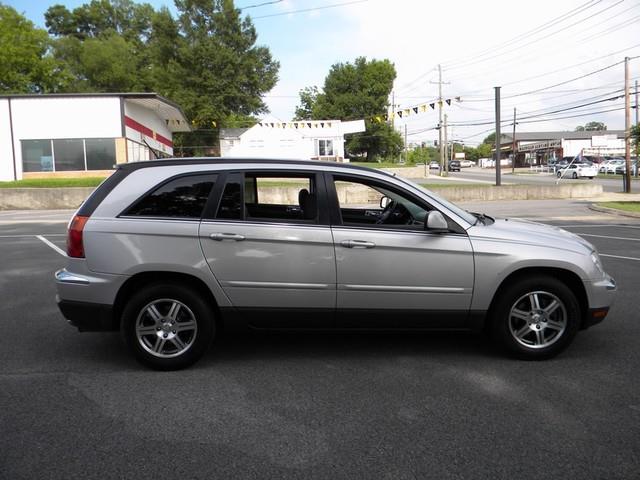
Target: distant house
(537, 147)
(310, 139)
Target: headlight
(596, 260)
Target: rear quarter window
(182, 197)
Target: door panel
(391, 272)
(271, 266)
(403, 272)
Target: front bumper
(602, 294)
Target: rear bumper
(88, 317)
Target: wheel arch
(143, 279)
(569, 278)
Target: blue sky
(480, 44)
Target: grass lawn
(380, 165)
(53, 182)
(455, 185)
(626, 206)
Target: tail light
(75, 248)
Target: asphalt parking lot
(314, 406)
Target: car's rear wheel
(535, 318)
(575, 175)
(167, 326)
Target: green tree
(308, 98)
(591, 127)
(635, 135)
(353, 91)
(380, 140)
(26, 65)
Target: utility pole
(627, 128)
(498, 137)
(446, 144)
(443, 170)
(513, 159)
(406, 146)
(637, 141)
(393, 109)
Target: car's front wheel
(535, 318)
(167, 326)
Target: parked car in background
(609, 166)
(467, 163)
(454, 166)
(170, 252)
(577, 170)
(620, 169)
(434, 165)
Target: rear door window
(182, 197)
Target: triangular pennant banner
(433, 106)
(415, 109)
(400, 113)
(448, 101)
(321, 124)
(423, 108)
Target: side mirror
(384, 201)
(436, 223)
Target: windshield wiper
(480, 217)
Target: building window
(64, 155)
(36, 156)
(69, 155)
(101, 153)
(325, 148)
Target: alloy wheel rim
(166, 328)
(537, 319)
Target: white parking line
(31, 235)
(618, 256)
(614, 225)
(613, 238)
(55, 247)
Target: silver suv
(172, 251)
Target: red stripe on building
(164, 140)
(138, 127)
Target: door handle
(226, 236)
(357, 244)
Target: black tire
(575, 175)
(544, 337)
(559, 174)
(158, 309)
(590, 178)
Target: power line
(480, 60)
(528, 33)
(313, 9)
(272, 2)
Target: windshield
(465, 215)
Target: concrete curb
(613, 211)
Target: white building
(310, 139)
(76, 134)
(534, 148)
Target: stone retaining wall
(69, 198)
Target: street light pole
(498, 137)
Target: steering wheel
(388, 211)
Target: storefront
(83, 134)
